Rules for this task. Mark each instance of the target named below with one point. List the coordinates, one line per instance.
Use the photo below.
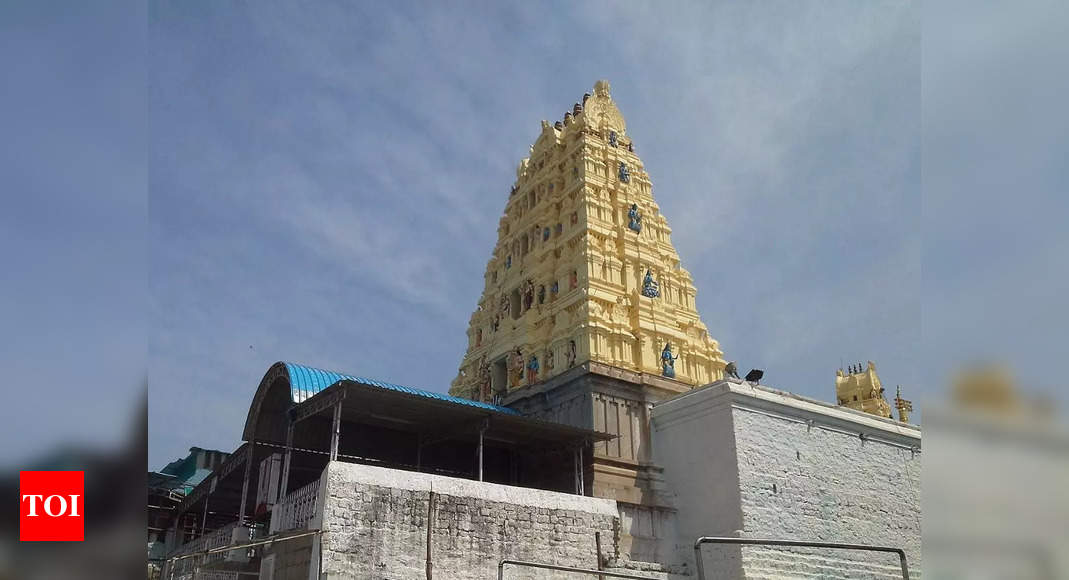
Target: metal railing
(501, 570)
(171, 564)
(795, 544)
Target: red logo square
(51, 506)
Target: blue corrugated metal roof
(307, 381)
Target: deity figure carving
(571, 353)
(532, 370)
(650, 287)
(625, 173)
(506, 305)
(573, 280)
(508, 262)
(528, 295)
(730, 370)
(549, 360)
(630, 146)
(635, 217)
(515, 366)
(556, 287)
(612, 139)
(545, 234)
(668, 362)
(484, 382)
(595, 310)
(542, 294)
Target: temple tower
(587, 316)
(584, 268)
(859, 388)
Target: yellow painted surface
(566, 223)
(861, 390)
(904, 407)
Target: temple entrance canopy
(301, 418)
(305, 417)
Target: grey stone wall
(292, 558)
(803, 482)
(376, 520)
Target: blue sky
(73, 224)
(325, 183)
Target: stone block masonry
(749, 461)
(801, 482)
(378, 524)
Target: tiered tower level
(584, 268)
(859, 388)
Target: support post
(481, 431)
(286, 463)
(419, 452)
(597, 546)
(582, 472)
(245, 484)
(335, 433)
(431, 501)
(575, 467)
(204, 518)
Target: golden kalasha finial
(601, 88)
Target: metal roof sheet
(306, 381)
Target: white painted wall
(754, 462)
(695, 442)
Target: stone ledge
(747, 396)
(340, 473)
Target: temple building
(594, 424)
(859, 388)
(584, 269)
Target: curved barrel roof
(306, 381)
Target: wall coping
(748, 396)
(341, 473)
